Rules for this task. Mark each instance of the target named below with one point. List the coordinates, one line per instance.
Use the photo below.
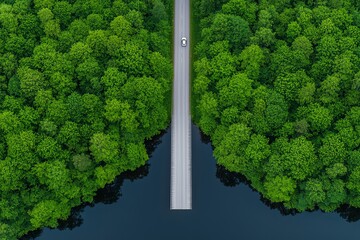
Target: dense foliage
(277, 88)
(82, 84)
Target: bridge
(181, 189)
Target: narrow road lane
(181, 189)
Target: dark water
(140, 204)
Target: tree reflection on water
(350, 214)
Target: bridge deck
(181, 189)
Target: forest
(82, 84)
(277, 89)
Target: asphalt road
(181, 189)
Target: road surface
(181, 190)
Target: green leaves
(95, 21)
(332, 150)
(82, 162)
(314, 191)
(160, 66)
(96, 40)
(8, 21)
(295, 159)
(121, 113)
(208, 108)
(257, 151)
(45, 15)
(279, 189)
(121, 27)
(132, 60)
(289, 84)
(242, 8)
(47, 213)
(103, 148)
(62, 11)
(79, 29)
(300, 158)
(336, 195)
(112, 80)
(57, 112)
(353, 186)
(337, 170)
(79, 52)
(145, 96)
(252, 58)
(11, 176)
(234, 142)
(276, 111)
(54, 174)
(293, 30)
(21, 148)
(31, 81)
(88, 69)
(327, 48)
(113, 110)
(306, 94)
(263, 37)
(276, 88)
(82, 84)
(231, 28)
(319, 117)
(236, 93)
(222, 66)
(136, 155)
(104, 175)
(9, 122)
(48, 148)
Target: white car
(183, 42)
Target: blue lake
(137, 206)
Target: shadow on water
(349, 213)
(230, 179)
(107, 195)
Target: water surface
(139, 208)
